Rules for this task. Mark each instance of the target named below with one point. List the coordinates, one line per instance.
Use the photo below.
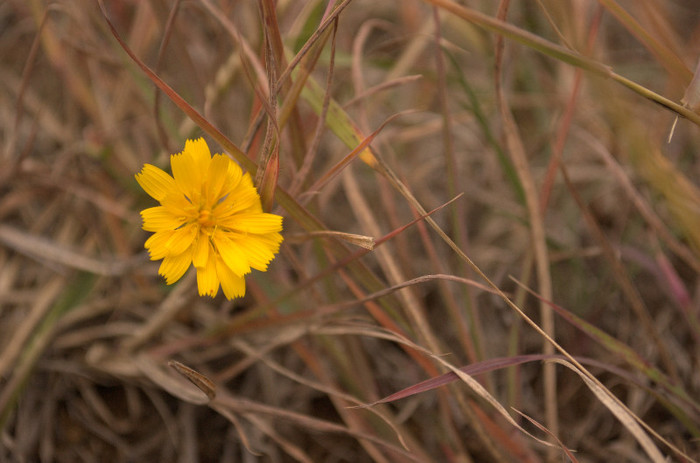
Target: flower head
(209, 216)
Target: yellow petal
(219, 178)
(273, 240)
(155, 182)
(201, 251)
(173, 267)
(182, 239)
(189, 168)
(233, 255)
(207, 279)
(245, 188)
(199, 150)
(232, 284)
(178, 204)
(233, 175)
(246, 181)
(260, 249)
(269, 245)
(238, 201)
(159, 218)
(253, 222)
(157, 244)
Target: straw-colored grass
(492, 249)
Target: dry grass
(564, 279)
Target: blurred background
(559, 143)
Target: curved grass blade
(559, 53)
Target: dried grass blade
(162, 134)
(226, 403)
(56, 299)
(175, 385)
(361, 150)
(16, 356)
(667, 57)
(293, 98)
(363, 241)
(232, 325)
(559, 53)
(290, 448)
(198, 118)
(519, 158)
(561, 445)
(624, 281)
(44, 250)
(268, 181)
(11, 140)
(167, 310)
(472, 369)
(522, 36)
(337, 120)
(621, 350)
(202, 382)
(626, 417)
(243, 323)
(645, 210)
(229, 415)
(691, 97)
(473, 384)
(475, 106)
(330, 390)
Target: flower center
(205, 218)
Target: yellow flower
(209, 216)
